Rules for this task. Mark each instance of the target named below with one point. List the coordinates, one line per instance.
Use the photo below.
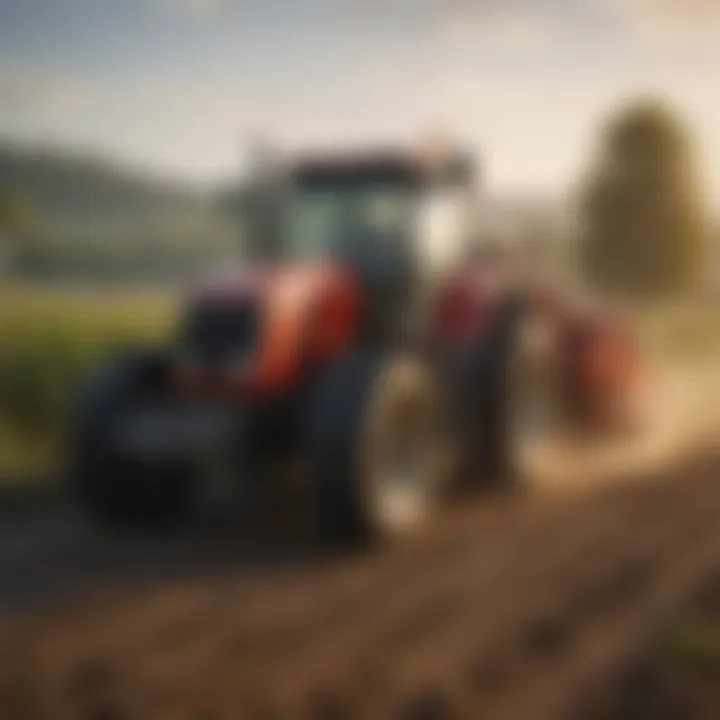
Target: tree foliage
(643, 228)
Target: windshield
(321, 220)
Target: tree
(642, 223)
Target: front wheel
(112, 487)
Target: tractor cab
(398, 221)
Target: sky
(185, 87)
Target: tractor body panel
(254, 335)
(361, 259)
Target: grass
(695, 642)
(50, 339)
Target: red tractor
(368, 360)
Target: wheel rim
(400, 454)
(535, 418)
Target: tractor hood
(267, 325)
(274, 285)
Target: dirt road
(507, 607)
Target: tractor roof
(411, 168)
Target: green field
(50, 339)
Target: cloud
(26, 89)
(693, 11)
(198, 7)
(669, 21)
(529, 24)
(513, 23)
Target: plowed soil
(546, 604)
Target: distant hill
(93, 217)
(63, 183)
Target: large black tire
(500, 367)
(494, 449)
(346, 418)
(114, 489)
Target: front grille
(222, 334)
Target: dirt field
(550, 604)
